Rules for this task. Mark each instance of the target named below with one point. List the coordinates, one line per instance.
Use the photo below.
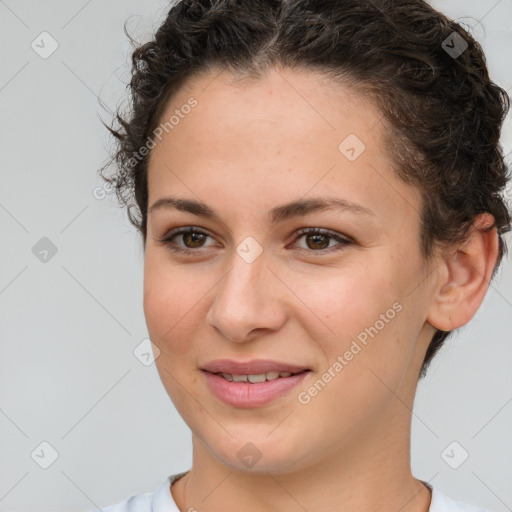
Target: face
(252, 282)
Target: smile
(252, 390)
(254, 378)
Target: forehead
(301, 102)
(283, 134)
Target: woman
(318, 186)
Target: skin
(247, 147)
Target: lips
(254, 378)
(252, 367)
(252, 392)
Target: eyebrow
(300, 207)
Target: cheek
(363, 316)
(176, 302)
(170, 318)
(168, 303)
(348, 300)
(367, 329)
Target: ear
(464, 276)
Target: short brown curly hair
(443, 112)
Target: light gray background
(68, 374)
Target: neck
(360, 475)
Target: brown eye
(318, 240)
(192, 239)
(315, 241)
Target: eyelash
(167, 240)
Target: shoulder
(137, 503)
(443, 503)
(157, 500)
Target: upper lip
(252, 367)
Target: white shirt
(161, 500)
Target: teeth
(261, 377)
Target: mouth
(256, 378)
(249, 390)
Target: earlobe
(465, 275)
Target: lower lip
(246, 394)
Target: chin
(257, 455)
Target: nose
(247, 301)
